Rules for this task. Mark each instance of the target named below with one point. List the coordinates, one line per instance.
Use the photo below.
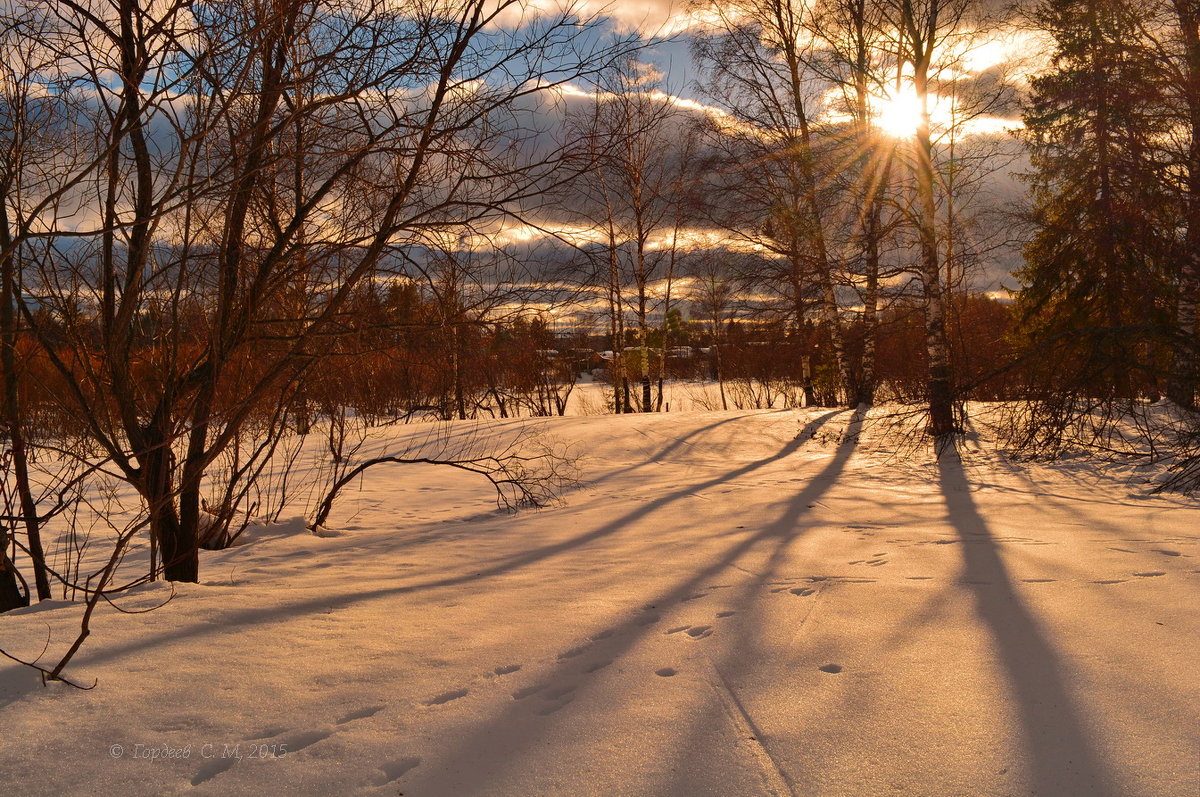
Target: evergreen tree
(1097, 280)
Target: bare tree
(236, 170)
(635, 194)
(758, 68)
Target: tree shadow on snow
(232, 621)
(1061, 760)
(773, 540)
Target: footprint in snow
(1150, 573)
(553, 707)
(361, 714)
(676, 629)
(527, 691)
(558, 697)
(394, 770)
(573, 652)
(699, 631)
(830, 668)
(1110, 581)
(507, 669)
(802, 591)
(559, 691)
(726, 614)
(212, 768)
(1167, 552)
(272, 730)
(1038, 580)
(446, 697)
(666, 672)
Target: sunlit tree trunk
(921, 37)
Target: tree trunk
(940, 387)
(11, 594)
(176, 540)
(13, 420)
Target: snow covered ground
(735, 603)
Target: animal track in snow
(446, 697)
(1167, 552)
(677, 629)
(1150, 573)
(699, 631)
(802, 591)
(726, 614)
(830, 668)
(666, 672)
(1111, 581)
(507, 669)
(1038, 580)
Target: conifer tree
(1097, 279)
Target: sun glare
(898, 115)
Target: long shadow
(779, 534)
(231, 621)
(751, 627)
(1061, 760)
(619, 524)
(669, 448)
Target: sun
(898, 115)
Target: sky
(668, 29)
